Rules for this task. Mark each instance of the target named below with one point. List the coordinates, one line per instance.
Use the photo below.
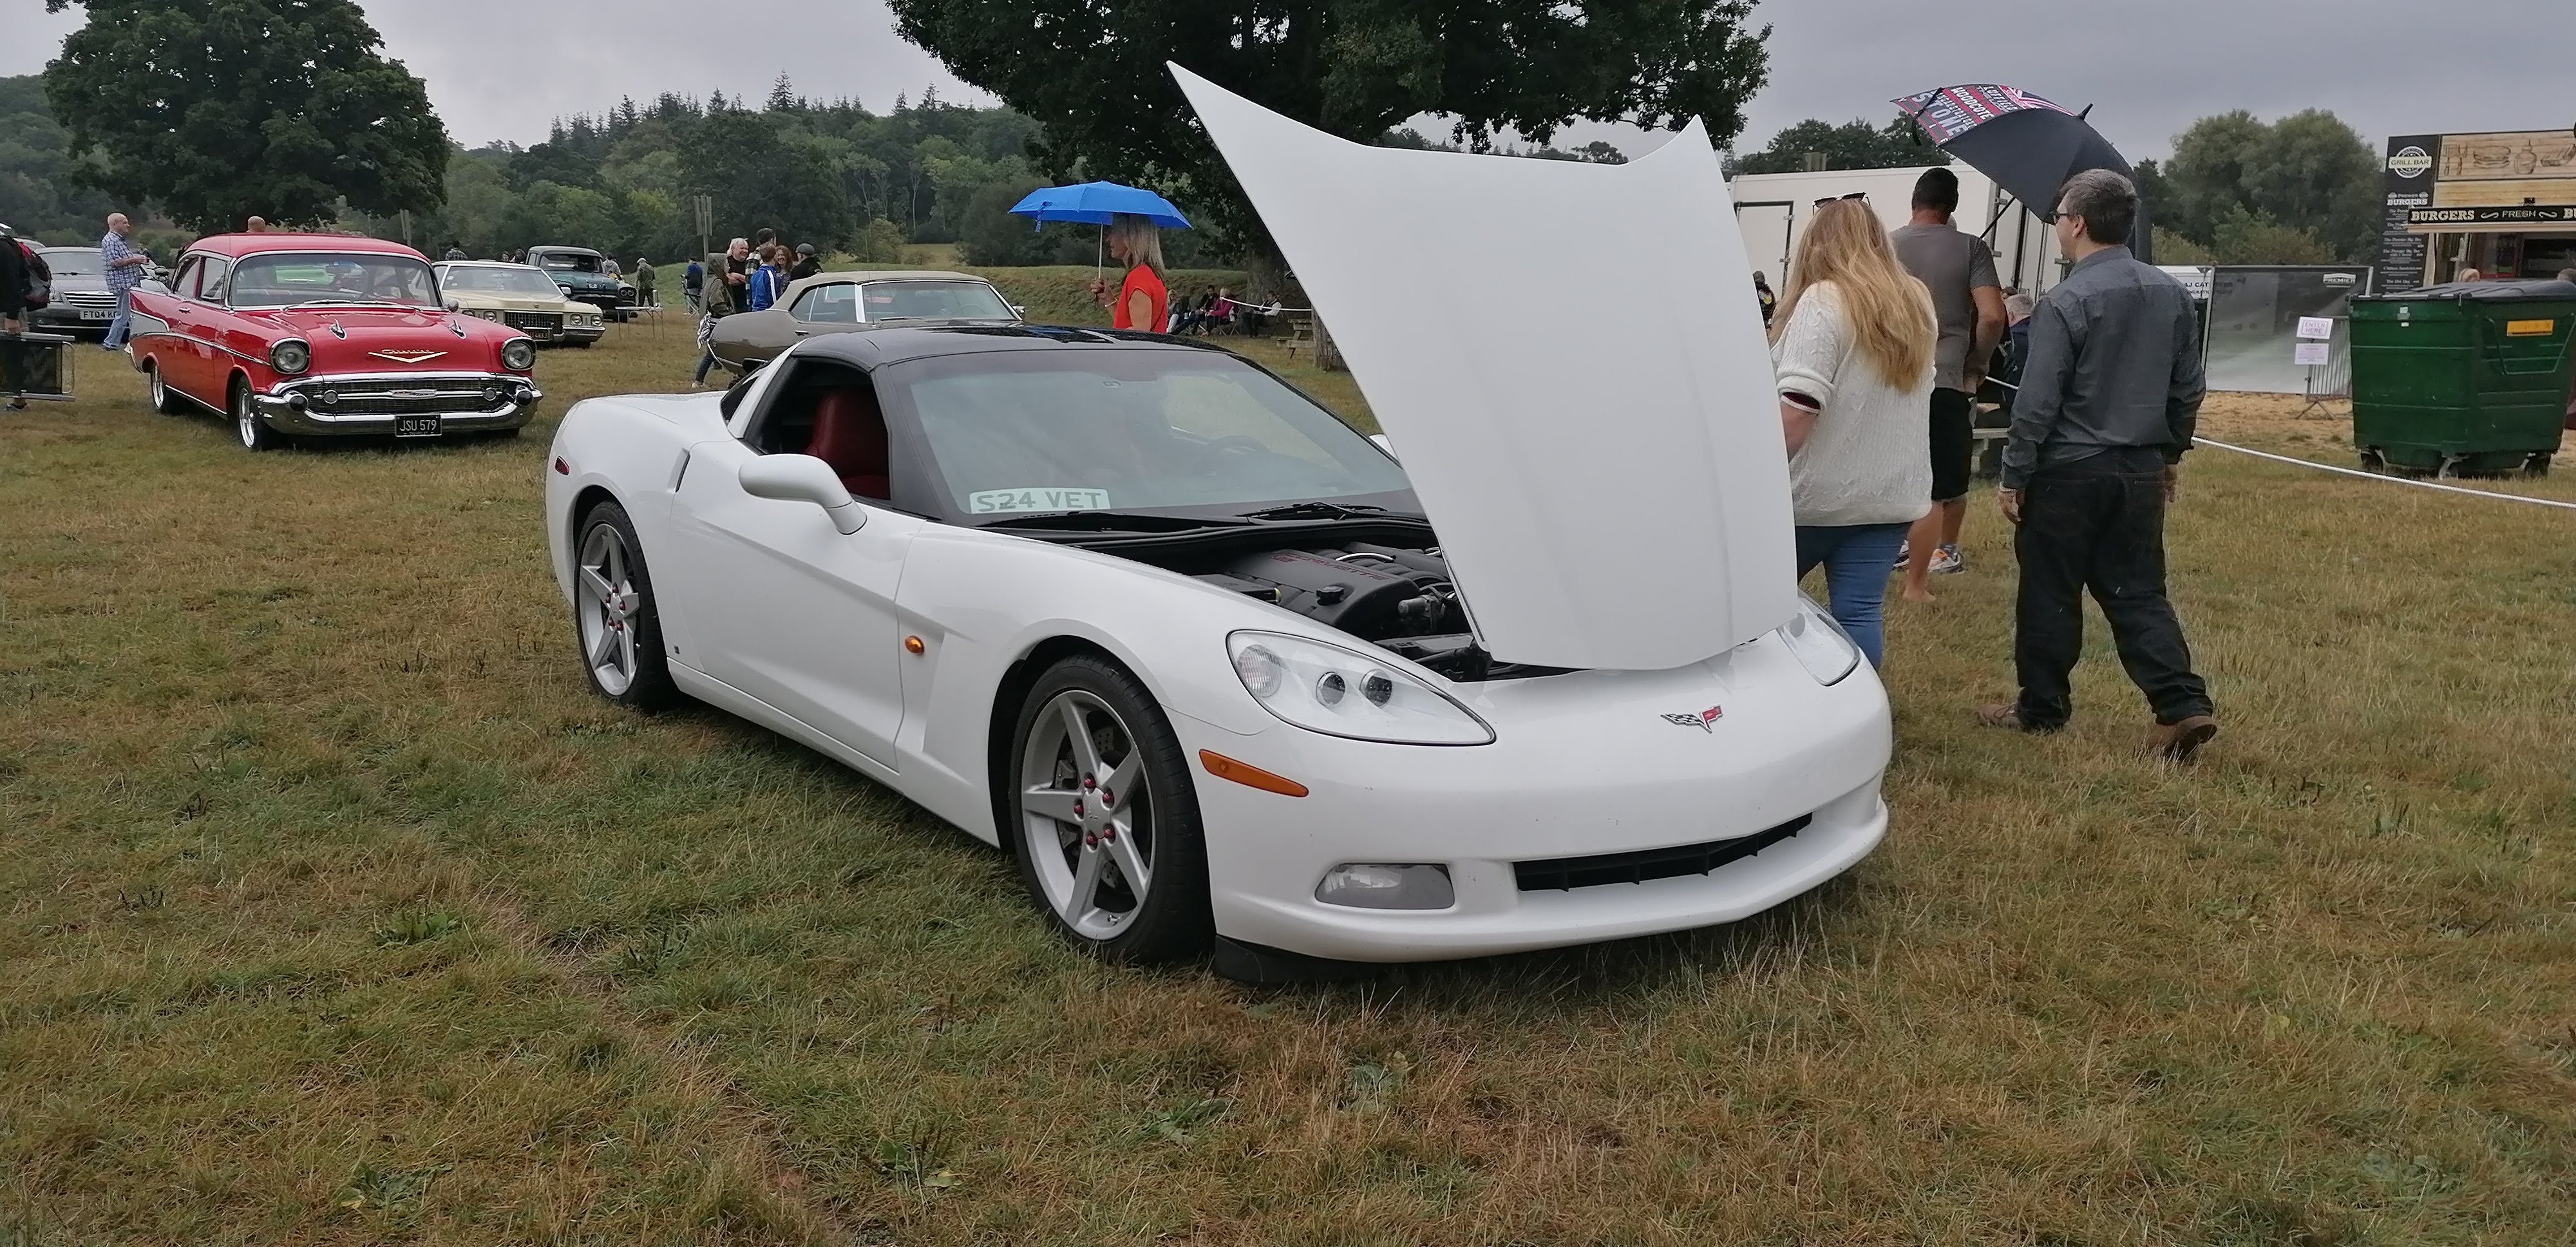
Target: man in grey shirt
(2106, 409)
(1959, 270)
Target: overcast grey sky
(500, 69)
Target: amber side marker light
(913, 645)
(1248, 775)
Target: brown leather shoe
(2002, 714)
(2175, 742)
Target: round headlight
(518, 355)
(290, 357)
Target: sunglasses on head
(1830, 199)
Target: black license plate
(416, 426)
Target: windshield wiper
(1108, 521)
(1316, 511)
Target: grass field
(334, 909)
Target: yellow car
(520, 296)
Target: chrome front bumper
(464, 402)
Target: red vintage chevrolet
(326, 334)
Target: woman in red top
(1136, 243)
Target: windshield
(498, 280)
(567, 262)
(72, 261)
(1013, 432)
(933, 300)
(286, 280)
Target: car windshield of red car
(290, 279)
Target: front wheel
(1101, 814)
(615, 615)
(164, 399)
(247, 423)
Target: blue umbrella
(1093, 203)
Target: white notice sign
(2314, 353)
(2316, 326)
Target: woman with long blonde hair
(1852, 345)
(1138, 244)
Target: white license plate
(97, 313)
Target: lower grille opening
(1564, 874)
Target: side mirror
(1020, 310)
(803, 478)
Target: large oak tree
(1091, 72)
(216, 110)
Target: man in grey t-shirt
(1960, 271)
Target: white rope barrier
(2393, 480)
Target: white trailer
(1773, 210)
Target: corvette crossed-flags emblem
(1702, 720)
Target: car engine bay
(1382, 583)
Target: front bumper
(1583, 765)
(370, 405)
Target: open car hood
(1569, 359)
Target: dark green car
(582, 275)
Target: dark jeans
(2098, 524)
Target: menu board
(2413, 160)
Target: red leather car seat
(850, 434)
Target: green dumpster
(2468, 378)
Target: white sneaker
(1947, 560)
(1903, 552)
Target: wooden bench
(1301, 335)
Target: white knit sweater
(1868, 460)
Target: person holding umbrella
(1138, 244)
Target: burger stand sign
(2456, 201)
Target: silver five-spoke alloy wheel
(1087, 814)
(609, 605)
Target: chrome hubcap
(245, 417)
(609, 605)
(160, 396)
(1087, 816)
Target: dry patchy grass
(333, 909)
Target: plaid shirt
(112, 249)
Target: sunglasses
(1830, 199)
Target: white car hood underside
(1569, 359)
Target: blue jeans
(123, 325)
(1857, 559)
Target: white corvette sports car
(1210, 663)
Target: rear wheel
(247, 423)
(1101, 814)
(615, 616)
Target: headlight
(290, 357)
(1339, 692)
(1819, 643)
(518, 355)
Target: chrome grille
(535, 324)
(87, 298)
(402, 398)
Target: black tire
(248, 428)
(2373, 461)
(1170, 920)
(633, 669)
(165, 400)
